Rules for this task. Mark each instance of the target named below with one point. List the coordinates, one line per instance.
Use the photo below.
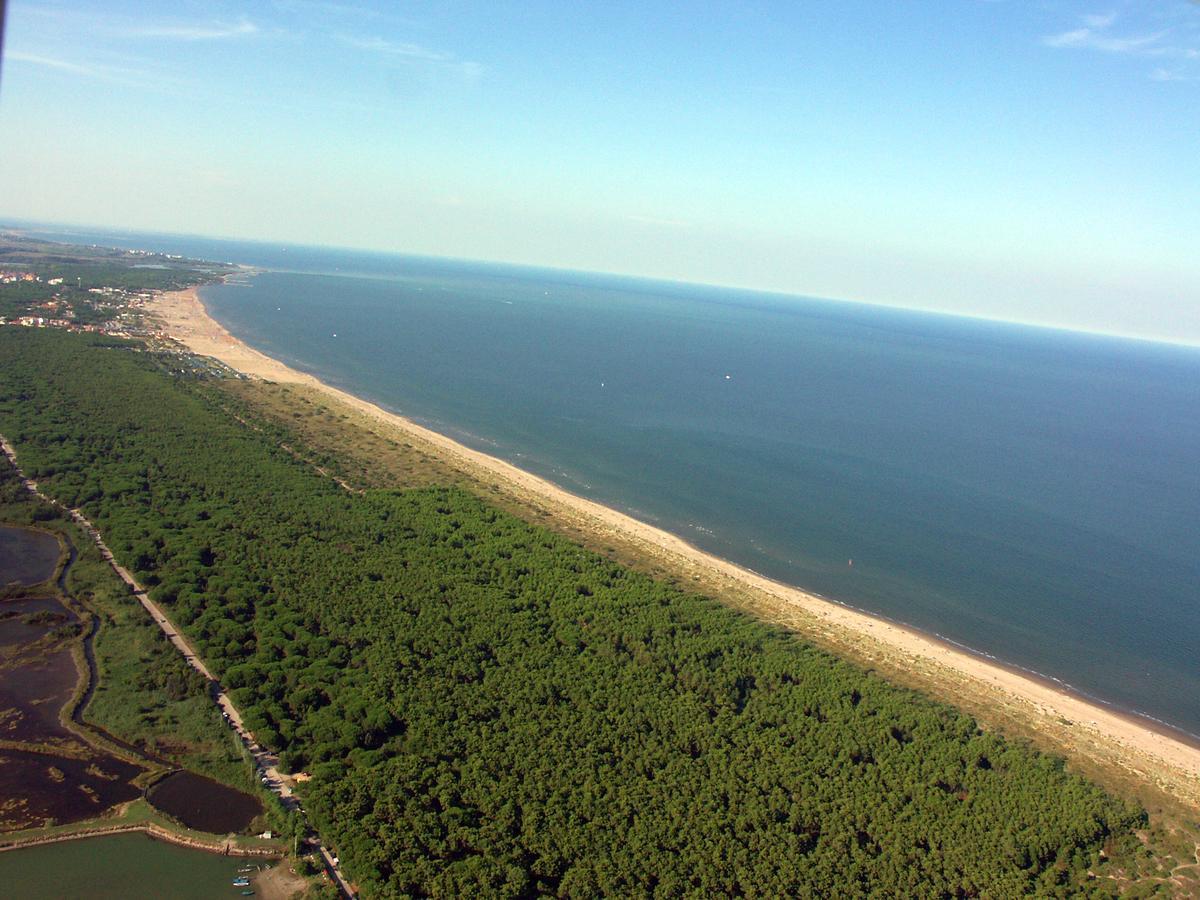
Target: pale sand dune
(1077, 727)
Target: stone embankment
(227, 848)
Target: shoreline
(1153, 751)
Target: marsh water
(48, 773)
(51, 774)
(38, 671)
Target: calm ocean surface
(1029, 493)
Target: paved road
(266, 763)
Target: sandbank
(1081, 729)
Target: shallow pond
(204, 804)
(121, 866)
(26, 556)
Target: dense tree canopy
(488, 708)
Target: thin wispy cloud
(96, 22)
(1092, 38)
(1102, 21)
(1103, 33)
(205, 31)
(149, 79)
(399, 49)
(87, 70)
(1164, 74)
(50, 62)
(414, 54)
(329, 8)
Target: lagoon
(120, 866)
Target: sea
(1030, 494)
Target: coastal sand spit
(1088, 729)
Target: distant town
(59, 312)
(94, 289)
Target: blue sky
(1031, 161)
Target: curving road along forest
(266, 762)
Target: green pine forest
(488, 709)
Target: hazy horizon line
(772, 292)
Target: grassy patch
(146, 694)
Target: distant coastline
(1156, 752)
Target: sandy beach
(1085, 732)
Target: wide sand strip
(1068, 721)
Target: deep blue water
(1032, 494)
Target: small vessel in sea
(242, 881)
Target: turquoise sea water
(1031, 494)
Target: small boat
(241, 882)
